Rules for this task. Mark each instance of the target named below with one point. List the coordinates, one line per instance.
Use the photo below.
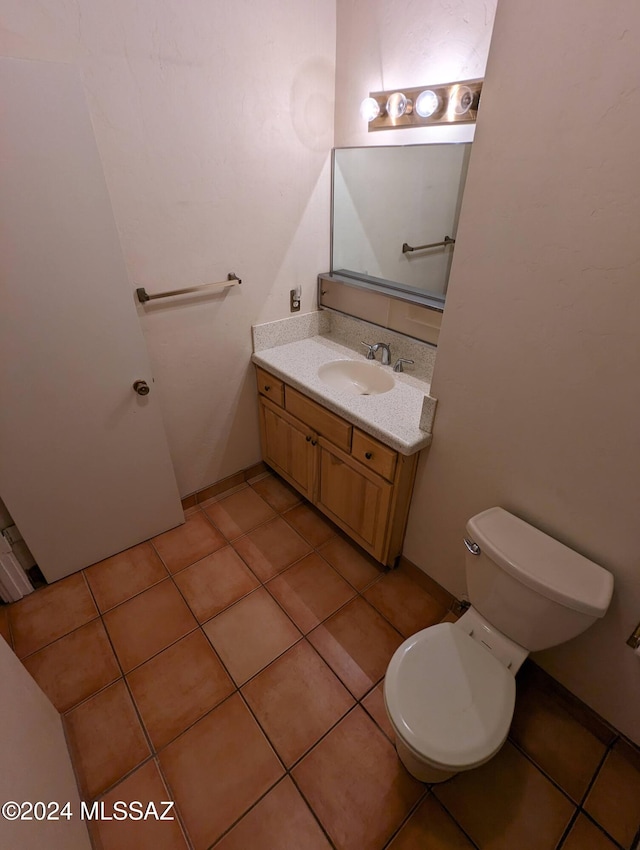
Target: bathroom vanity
(352, 455)
(358, 482)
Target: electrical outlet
(294, 300)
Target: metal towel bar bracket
(232, 280)
(634, 639)
(406, 249)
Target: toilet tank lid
(541, 562)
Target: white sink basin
(356, 376)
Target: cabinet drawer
(270, 387)
(323, 421)
(374, 454)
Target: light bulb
(369, 109)
(427, 103)
(397, 105)
(462, 98)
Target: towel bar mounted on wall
(406, 249)
(232, 280)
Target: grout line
(568, 828)
(311, 809)
(595, 775)
(181, 822)
(251, 807)
(516, 745)
(414, 808)
(455, 820)
(595, 823)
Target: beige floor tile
(276, 492)
(404, 603)
(614, 800)
(310, 591)
(75, 666)
(296, 700)
(310, 523)
(271, 548)
(51, 612)
(430, 828)
(144, 786)
(358, 644)
(148, 623)
(105, 739)
(217, 769)
(178, 687)
(585, 836)
(250, 634)
(507, 803)
(239, 513)
(356, 785)
(374, 704)
(215, 582)
(5, 630)
(555, 740)
(352, 563)
(124, 575)
(188, 543)
(280, 820)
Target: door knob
(141, 387)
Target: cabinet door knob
(308, 439)
(314, 442)
(368, 455)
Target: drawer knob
(368, 455)
(267, 388)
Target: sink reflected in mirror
(357, 377)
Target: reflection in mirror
(385, 198)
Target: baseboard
(223, 484)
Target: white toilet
(450, 689)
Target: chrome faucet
(385, 358)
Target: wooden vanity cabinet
(363, 486)
(287, 447)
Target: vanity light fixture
(450, 103)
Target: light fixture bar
(457, 103)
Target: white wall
(214, 122)
(537, 373)
(35, 763)
(388, 44)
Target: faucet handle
(370, 354)
(399, 362)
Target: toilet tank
(530, 586)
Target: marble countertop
(395, 417)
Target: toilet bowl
(450, 689)
(449, 700)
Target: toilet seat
(448, 698)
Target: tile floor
(234, 665)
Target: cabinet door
(355, 498)
(287, 446)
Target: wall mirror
(395, 215)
